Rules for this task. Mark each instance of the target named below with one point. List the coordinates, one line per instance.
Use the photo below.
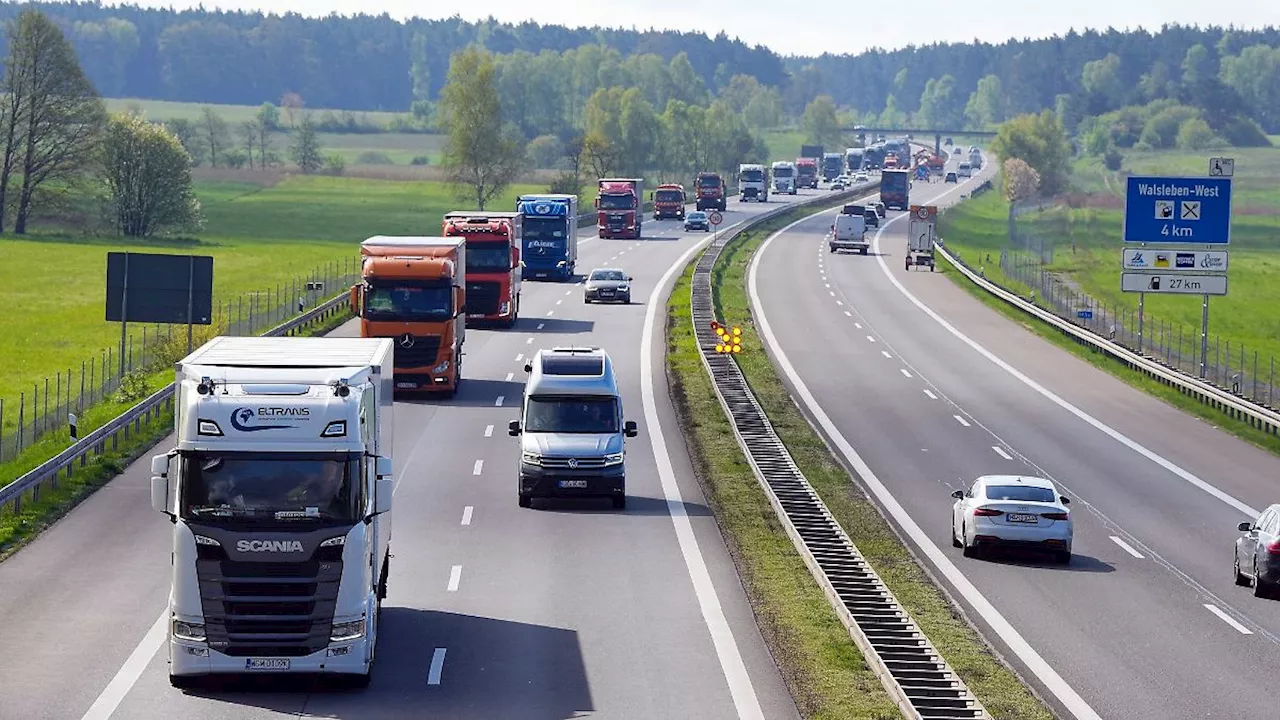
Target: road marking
(498, 402)
(961, 420)
(509, 376)
(519, 357)
(930, 394)
(904, 372)
(840, 303)
(559, 301)
(1126, 547)
(848, 314)
(1000, 451)
(827, 284)
(541, 325)
(488, 431)
(1054, 682)
(437, 666)
(550, 313)
(885, 353)
(1227, 619)
(530, 340)
(858, 325)
(128, 674)
(833, 293)
(466, 514)
(568, 292)
(739, 681)
(870, 339)
(455, 577)
(478, 467)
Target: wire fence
(101, 377)
(1232, 366)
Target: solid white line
(498, 402)
(885, 353)
(735, 671)
(904, 372)
(478, 467)
(509, 376)
(488, 431)
(437, 666)
(128, 674)
(1228, 619)
(466, 514)
(529, 341)
(455, 577)
(1002, 627)
(961, 420)
(930, 394)
(1000, 451)
(1125, 546)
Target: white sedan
(1012, 511)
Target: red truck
(807, 173)
(709, 187)
(668, 201)
(493, 262)
(618, 207)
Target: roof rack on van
(576, 349)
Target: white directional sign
(1173, 283)
(1222, 167)
(1180, 261)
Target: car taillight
(987, 512)
(1274, 547)
(1054, 516)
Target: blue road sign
(1184, 210)
(1084, 314)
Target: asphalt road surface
(493, 611)
(922, 388)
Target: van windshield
(572, 414)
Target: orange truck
(493, 262)
(413, 290)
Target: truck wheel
(524, 500)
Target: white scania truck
(784, 177)
(279, 491)
(753, 184)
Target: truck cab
(618, 212)
(493, 262)
(784, 177)
(279, 491)
(668, 201)
(807, 172)
(753, 184)
(832, 166)
(549, 236)
(710, 190)
(572, 429)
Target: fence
(45, 409)
(1228, 365)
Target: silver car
(1257, 552)
(607, 285)
(1012, 511)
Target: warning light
(737, 331)
(737, 348)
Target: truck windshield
(807, 170)
(276, 487)
(571, 414)
(782, 172)
(488, 256)
(616, 202)
(544, 236)
(753, 176)
(669, 196)
(409, 302)
(709, 182)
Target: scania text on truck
(807, 173)
(493, 262)
(850, 230)
(895, 188)
(784, 177)
(550, 236)
(668, 201)
(279, 493)
(853, 161)
(752, 183)
(413, 290)
(832, 166)
(618, 211)
(710, 190)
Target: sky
(805, 31)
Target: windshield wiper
(223, 511)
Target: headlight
(188, 631)
(613, 459)
(504, 308)
(342, 632)
(624, 286)
(530, 458)
(442, 367)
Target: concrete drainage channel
(913, 672)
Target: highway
(493, 611)
(921, 388)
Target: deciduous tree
(1021, 181)
(481, 156)
(216, 135)
(305, 147)
(148, 175)
(1040, 141)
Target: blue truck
(550, 236)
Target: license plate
(406, 385)
(1020, 518)
(573, 483)
(266, 664)
(473, 316)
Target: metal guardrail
(921, 683)
(1233, 405)
(131, 421)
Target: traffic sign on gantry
(1181, 210)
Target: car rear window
(1020, 493)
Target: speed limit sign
(715, 217)
(924, 212)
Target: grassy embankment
(822, 667)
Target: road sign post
(715, 218)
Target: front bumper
(183, 661)
(660, 213)
(591, 294)
(546, 271)
(537, 481)
(696, 226)
(423, 380)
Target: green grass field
(260, 238)
(233, 114)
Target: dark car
(951, 177)
(873, 220)
(607, 285)
(1257, 555)
(697, 220)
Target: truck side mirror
(354, 298)
(160, 484)
(460, 299)
(597, 203)
(650, 197)
(383, 491)
(513, 428)
(528, 367)
(1065, 500)
(629, 428)
(1245, 526)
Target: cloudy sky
(788, 29)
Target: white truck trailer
(279, 491)
(850, 230)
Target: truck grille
(617, 222)
(592, 463)
(269, 609)
(483, 297)
(424, 351)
